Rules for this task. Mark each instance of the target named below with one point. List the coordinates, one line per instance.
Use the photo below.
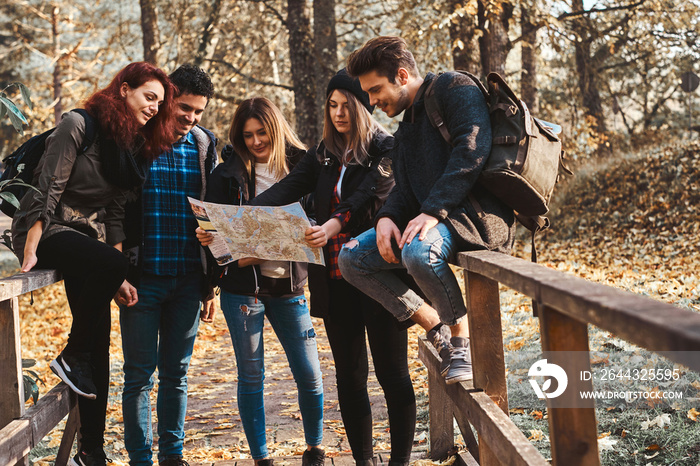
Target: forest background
(608, 72)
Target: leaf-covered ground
(633, 224)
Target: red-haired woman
(73, 223)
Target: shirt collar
(187, 138)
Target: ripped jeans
(427, 261)
(291, 322)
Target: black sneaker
(265, 462)
(94, 457)
(460, 361)
(440, 339)
(74, 369)
(313, 457)
(175, 460)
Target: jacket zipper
(255, 273)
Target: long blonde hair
(362, 129)
(278, 130)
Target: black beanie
(342, 80)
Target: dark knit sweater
(435, 178)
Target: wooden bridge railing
(567, 305)
(21, 430)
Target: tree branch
(274, 11)
(624, 63)
(574, 14)
(248, 77)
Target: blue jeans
(426, 261)
(291, 322)
(158, 332)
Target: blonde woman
(350, 174)
(264, 149)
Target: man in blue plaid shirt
(160, 329)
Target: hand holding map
(269, 233)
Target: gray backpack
(526, 155)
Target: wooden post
(12, 386)
(69, 435)
(573, 432)
(442, 431)
(486, 342)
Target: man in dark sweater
(436, 208)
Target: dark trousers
(92, 273)
(352, 314)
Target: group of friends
(391, 213)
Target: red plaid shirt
(337, 241)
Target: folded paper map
(269, 233)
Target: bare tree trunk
(57, 83)
(586, 69)
(465, 44)
(210, 35)
(149, 28)
(528, 75)
(494, 43)
(326, 51)
(303, 72)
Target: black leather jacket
(365, 187)
(229, 183)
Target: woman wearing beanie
(350, 176)
(263, 149)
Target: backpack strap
(90, 129)
(535, 224)
(433, 111)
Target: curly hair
(119, 123)
(191, 79)
(385, 55)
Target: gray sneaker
(440, 339)
(460, 361)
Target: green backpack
(526, 155)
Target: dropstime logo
(542, 368)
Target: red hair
(120, 124)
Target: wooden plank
(21, 283)
(486, 337)
(23, 434)
(429, 355)
(465, 459)
(15, 441)
(11, 388)
(496, 428)
(50, 410)
(465, 429)
(440, 412)
(486, 341)
(573, 432)
(640, 320)
(69, 433)
(492, 424)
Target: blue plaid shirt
(170, 245)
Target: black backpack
(526, 155)
(21, 164)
